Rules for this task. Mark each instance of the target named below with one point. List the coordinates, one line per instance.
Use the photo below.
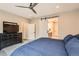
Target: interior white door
(31, 31)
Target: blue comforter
(72, 47)
(42, 47)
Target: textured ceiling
(42, 8)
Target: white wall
(5, 16)
(69, 23)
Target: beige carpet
(2, 53)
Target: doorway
(53, 27)
(31, 31)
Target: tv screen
(10, 28)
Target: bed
(42, 47)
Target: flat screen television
(10, 27)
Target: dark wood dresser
(7, 39)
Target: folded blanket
(67, 38)
(72, 46)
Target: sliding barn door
(43, 28)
